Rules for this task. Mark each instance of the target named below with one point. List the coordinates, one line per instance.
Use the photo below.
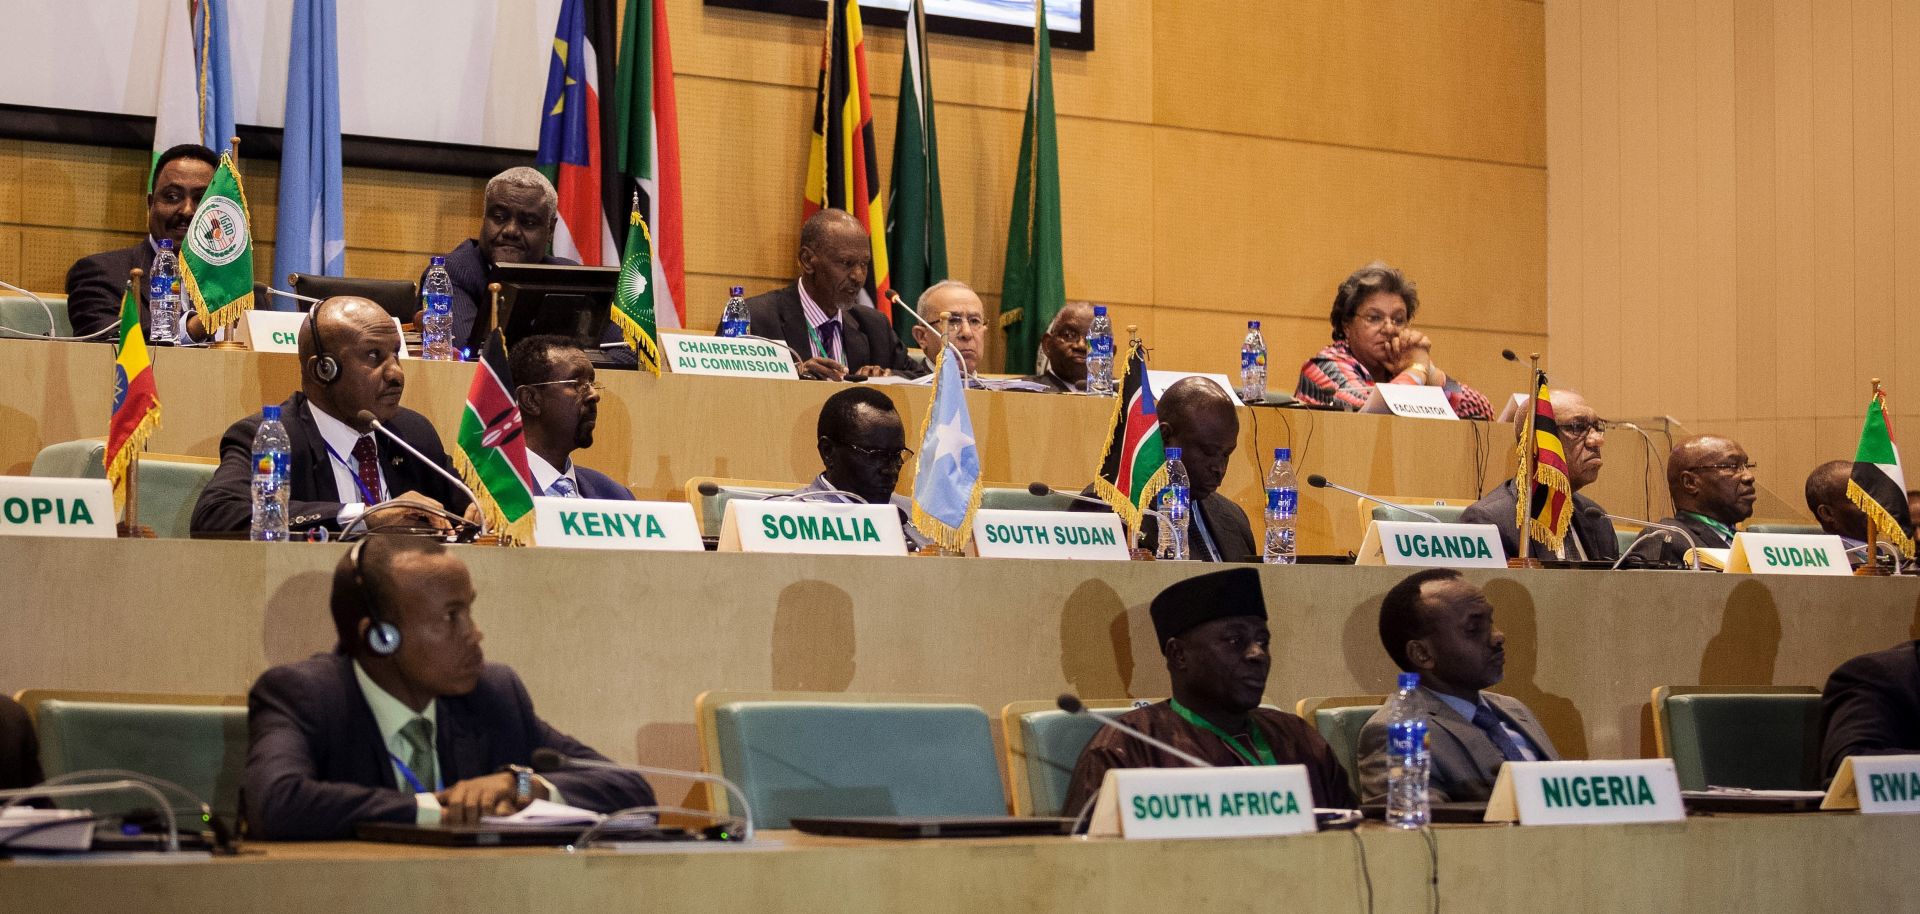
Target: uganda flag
(492, 453)
(136, 399)
(633, 295)
(1135, 467)
(216, 260)
(1545, 516)
(842, 170)
(1877, 484)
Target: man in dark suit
(519, 212)
(19, 750)
(1582, 433)
(863, 445)
(97, 282)
(1437, 624)
(820, 316)
(1063, 349)
(405, 721)
(559, 405)
(1198, 417)
(1871, 706)
(349, 363)
(1713, 490)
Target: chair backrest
(712, 509)
(1001, 497)
(398, 296)
(170, 484)
(1339, 719)
(24, 315)
(1797, 529)
(80, 459)
(1762, 737)
(1626, 537)
(1043, 745)
(196, 741)
(802, 754)
(1448, 510)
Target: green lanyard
(1262, 753)
(819, 348)
(1725, 531)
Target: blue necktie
(829, 335)
(1489, 723)
(563, 487)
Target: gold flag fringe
(1880, 523)
(511, 533)
(116, 463)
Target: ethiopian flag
(1877, 484)
(1135, 468)
(1547, 513)
(216, 262)
(633, 294)
(492, 453)
(136, 399)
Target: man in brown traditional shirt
(1213, 631)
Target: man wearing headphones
(349, 364)
(405, 721)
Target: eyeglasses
(1729, 467)
(1579, 429)
(579, 386)
(976, 322)
(882, 454)
(1375, 319)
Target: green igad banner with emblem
(216, 261)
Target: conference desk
(1788, 863)
(656, 433)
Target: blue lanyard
(413, 780)
(353, 473)
(1200, 523)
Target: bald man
(820, 317)
(1828, 502)
(1063, 349)
(964, 325)
(349, 364)
(1712, 485)
(1198, 417)
(1582, 434)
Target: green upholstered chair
(1043, 744)
(1625, 538)
(1762, 737)
(24, 315)
(81, 459)
(712, 509)
(1009, 498)
(1339, 719)
(821, 754)
(1796, 529)
(1448, 514)
(196, 741)
(170, 484)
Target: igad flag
(216, 262)
(1135, 468)
(946, 488)
(633, 295)
(1877, 485)
(492, 453)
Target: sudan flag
(492, 452)
(633, 295)
(1546, 515)
(1877, 485)
(843, 171)
(1135, 467)
(136, 399)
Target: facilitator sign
(811, 527)
(600, 523)
(1415, 401)
(1586, 793)
(735, 357)
(999, 534)
(45, 506)
(1249, 801)
(1429, 545)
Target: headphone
(326, 368)
(382, 637)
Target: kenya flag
(492, 455)
(1135, 468)
(1877, 485)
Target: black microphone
(548, 760)
(366, 416)
(1043, 490)
(1072, 704)
(1595, 512)
(1321, 482)
(1508, 355)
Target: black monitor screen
(572, 301)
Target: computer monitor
(536, 298)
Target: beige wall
(1221, 160)
(1734, 199)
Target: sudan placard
(1787, 553)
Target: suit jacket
(226, 505)
(472, 306)
(19, 750)
(317, 766)
(1232, 532)
(866, 336)
(1672, 548)
(1464, 759)
(595, 484)
(902, 504)
(1055, 383)
(96, 283)
(1498, 508)
(1871, 706)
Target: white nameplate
(1000, 534)
(1203, 802)
(1427, 545)
(1876, 784)
(271, 331)
(46, 506)
(1410, 400)
(732, 357)
(1515, 410)
(1160, 380)
(811, 527)
(1586, 793)
(1788, 553)
(606, 523)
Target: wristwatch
(522, 783)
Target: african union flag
(136, 399)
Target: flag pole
(493, 294)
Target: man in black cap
(1213, 631)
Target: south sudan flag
(1135, 468)
(1547, 513)
(492, 453)
(1877, 485)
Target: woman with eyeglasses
(1374, 343)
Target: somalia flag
(946, 489)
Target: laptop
(508, 836)
(932, 826)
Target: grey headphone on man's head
(326, 368)
(382, 637)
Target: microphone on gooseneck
(1321, 482)
(1043, 490)
(366, 415)
(1508, 355)
(1072, 704)
(547, 761)
(1595, 513)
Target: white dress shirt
(346, 474)
(544, 474)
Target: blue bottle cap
(270, 412)
(1253, 325)
(166, 244)
(738, 291)
(1173, 453)
(1099, 310)
(1409, 681)
(1283, 453)
(437, 260)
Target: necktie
(418, 734)
(1489, 723)
(563, 487)
(830, 338)
(367, 459)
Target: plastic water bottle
(1253, 365)
(1100, 353)
(734, 320)
(163, 296)
(272, 458)
(1176, 503)
(1407, 761)
(436, 312)
(1283, 502)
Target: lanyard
(819, 348)
(1262, 753)
(413, 780)
(353, 473)
(1200, 524)
(1726, 533)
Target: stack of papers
(543, 814)
(46, 829)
